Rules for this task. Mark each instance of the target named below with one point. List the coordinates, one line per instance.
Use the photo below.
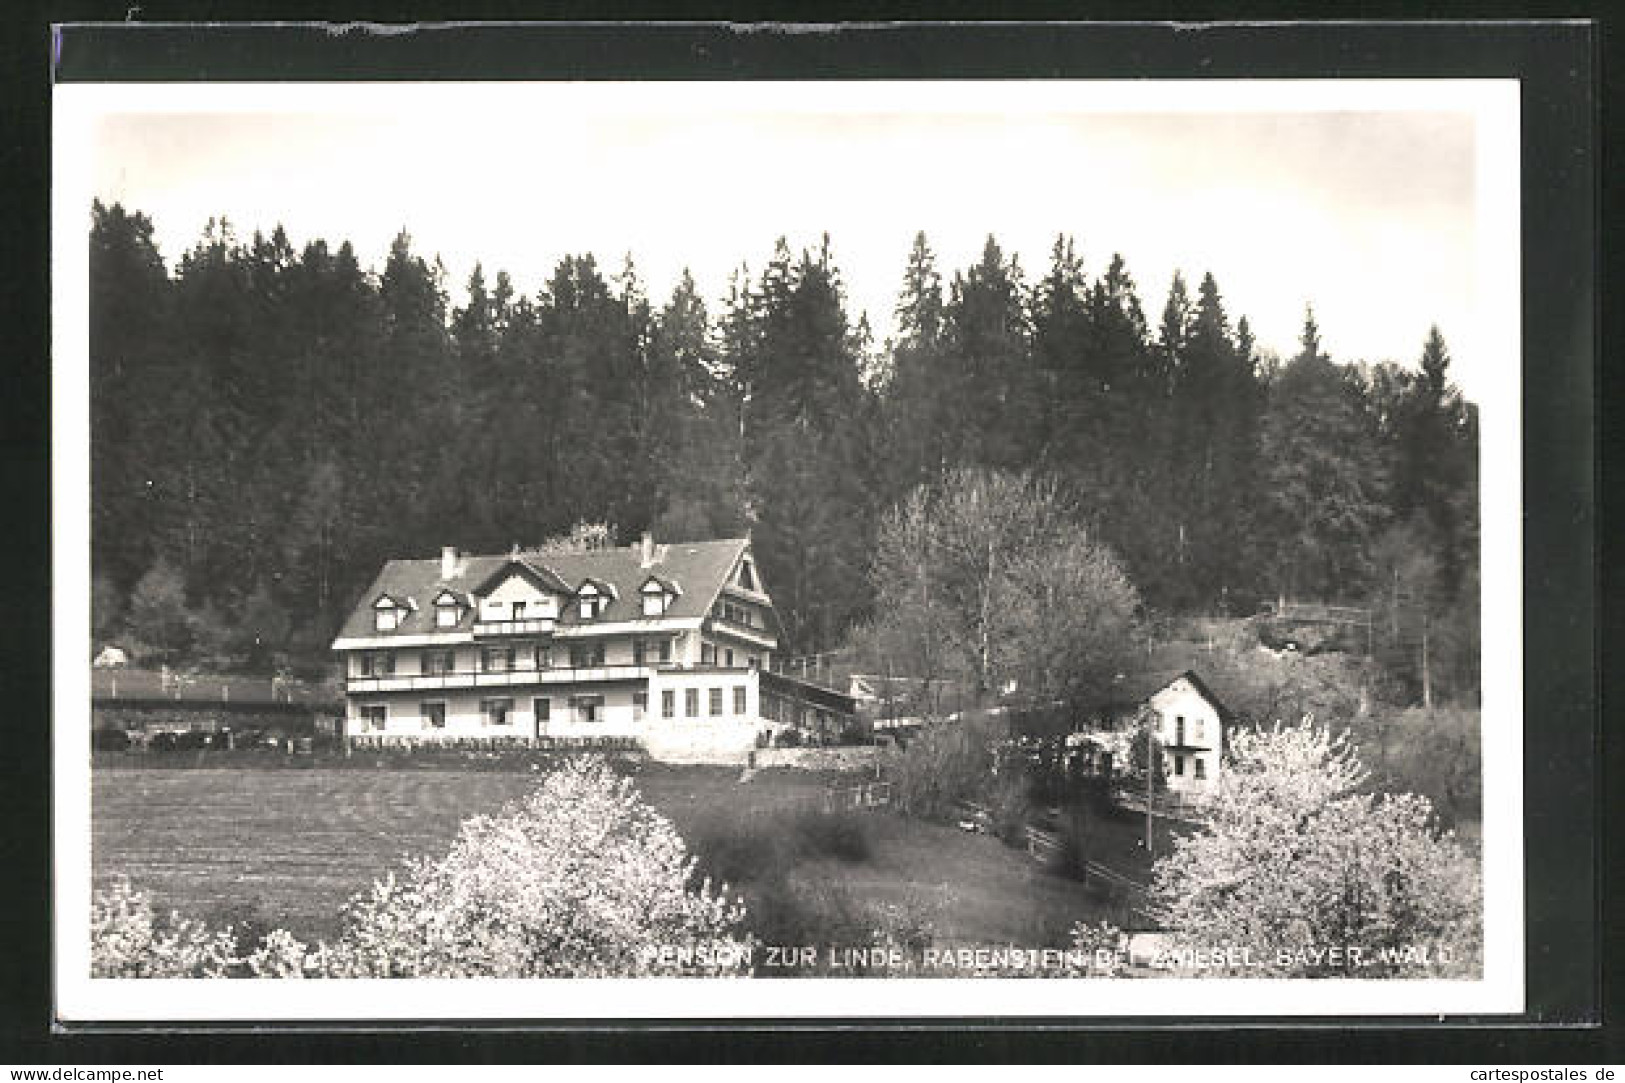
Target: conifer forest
(270, 424)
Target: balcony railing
(530, 626)
(754, 633)
(498, 679)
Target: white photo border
(1494, 105)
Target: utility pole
(1150, 795)
(1427, 677)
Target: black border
(1558, 66)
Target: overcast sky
(1367, 214)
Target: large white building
(668, 646)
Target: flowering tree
(580, 879)
(131, 940)
(1311, 876)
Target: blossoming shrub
(130, 940)
(1306, 875)
(580, 879)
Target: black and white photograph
(718, 549)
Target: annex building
(1189, 720)
(668, 646)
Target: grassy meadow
(266, 848)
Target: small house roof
(1129, 690)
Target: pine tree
(129, 298)
(991, 389)
(919, 439)
(807, 414)
(1211, 450)
(1323, 492)
(1068, 425)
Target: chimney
(448, 561)
(646, 550)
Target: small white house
(1190, 726)
(1192, 733)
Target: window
(638, 650)
(1198, 734)
(665, 652)
(588, 708)
(668, 703)
(375, 715)
(708, 654)
(737, 614)
(1179, 765)
(655, 599)
(739, 700)
(586, 655)
(747, 577)
(544, 656)
(1179, 730)
(640, 705)
(591, 602)
(434, 716)
(1201, 767)
(388, 618)
(496, 712)
(377, 663)
(519, 611)
(716, 702)
(445, 615)
(691, 702)
(753, 662)
(497, 659)
(730, 662)
(436, 663)
(543, 710)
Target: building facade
(1188, 718)
(1191, 729)
(669, 646)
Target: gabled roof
(699, 569)
(669, 586)
(539, 575)
(1130, 690)
(599, 587)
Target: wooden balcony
(498, 679)
(750, 633)
(531, 626)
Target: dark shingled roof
(1129, 690)
(700, 568)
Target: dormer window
(386, 613)
(448, 610)
(590, 601)
(655, 598)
